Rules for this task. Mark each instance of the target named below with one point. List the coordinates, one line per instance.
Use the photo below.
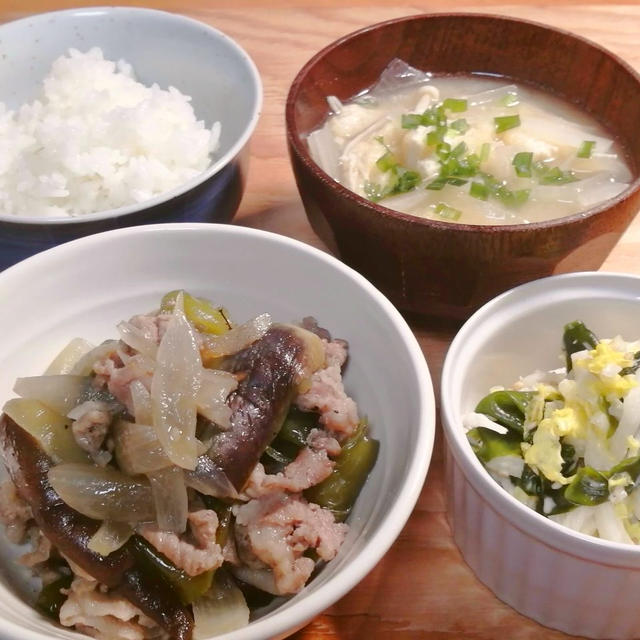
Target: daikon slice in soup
(468, 149)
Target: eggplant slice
(70, 532)
(270, 370)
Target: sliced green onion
(460, 125)
(436, 136)
(386, 162)
(457, 105)
(485, 150)
(458, 150)
(437, 184)
(479, 191)
(585, 149)
(446, 212)
(373, 191)
(553, 175)
(510, 100)
(407, 180)
(443, 150)
(522, 163)
(504, 123)
(519, 197)
(434, 116)
(411, 120)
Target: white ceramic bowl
(163, 48)
(85, 287)
(563, 579)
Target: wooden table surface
(422, 588)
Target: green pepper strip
(186, 587)
(591, 487)
(488, 444)
(506, 408)
(200, 312)
(576, 338)
(588, 487)
(50, 599)
(339, 491)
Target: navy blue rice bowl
(214, 200)
(164, 48)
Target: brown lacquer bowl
(446, 269)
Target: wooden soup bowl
(450, 269)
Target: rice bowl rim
(218, 163)
(515, 304)
(289, 617)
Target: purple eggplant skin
(268, 369)
(70, 532)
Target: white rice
(97, 139)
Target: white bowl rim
(570, 542)
(287, 621)
(216, 166)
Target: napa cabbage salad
(566, 442)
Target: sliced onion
(103, 493)
(314, 353)
(141, 399)
(68, 357)
(236, 339)
(142, 341)
(49, 428)
(223, 608)
(170, 499)
(210, 480)
(110, 537)
(138, 449)
(84, 366)
(215, 387)
(260, 578)
(174, 388)
(60, 392)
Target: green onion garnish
(460, 125)
(437, 184)
(443, 150)
(504, 123)
(386, 162)
(446, 212)
(436, 136)
(586, 148)
(458, 150)
(485, 150)
(479, 190)
(407, 180)
(411, 120)
(553, 175)
(457, 105)
(373, 191)
(522, 164)
(510, 100)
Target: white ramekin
(563, 579)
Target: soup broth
(468, 149)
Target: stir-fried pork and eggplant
(184, 474)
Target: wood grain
(422, 588)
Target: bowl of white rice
(542, 428)
(116, 117)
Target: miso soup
(468, 149)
